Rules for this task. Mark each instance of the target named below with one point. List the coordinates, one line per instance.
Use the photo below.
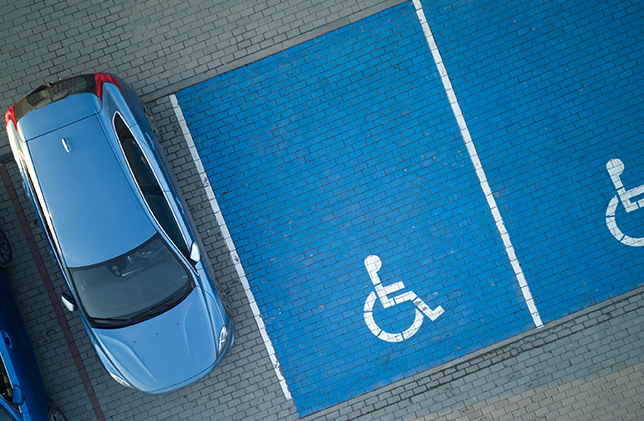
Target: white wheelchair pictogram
(373, 265)
(615, 168)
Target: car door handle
(7, 340)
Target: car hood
(168, 351)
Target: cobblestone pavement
(585, 363)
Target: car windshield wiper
(131, 320)
(146, 313)
(110, 320)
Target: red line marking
(33, 247)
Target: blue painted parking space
(356, 210)
(552, 92)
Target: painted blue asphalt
(346, 146)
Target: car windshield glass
(133, 287)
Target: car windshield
(133, 287)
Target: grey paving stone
(591, 360)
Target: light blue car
(119, 231)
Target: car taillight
(10, 115)
(102, 78)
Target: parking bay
(346, 147)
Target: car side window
(4, 415)
(6, 390)
(148, 184)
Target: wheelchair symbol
(615, 168)
(373, 265)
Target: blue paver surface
(346, 146)
(551, 93)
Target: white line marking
(456, 108)
(231, 247)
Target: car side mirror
(18, 396)
(195, 254)
(68, 302)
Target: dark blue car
(23, 392)
(117, 226)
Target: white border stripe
(451, 95)
(229, 243)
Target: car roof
(95, 211)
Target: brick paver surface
(582, 366)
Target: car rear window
(54, 91)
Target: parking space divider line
(230, 245)
(478, 167)
(49, 286)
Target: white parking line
(231, 247)
(480, 173)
